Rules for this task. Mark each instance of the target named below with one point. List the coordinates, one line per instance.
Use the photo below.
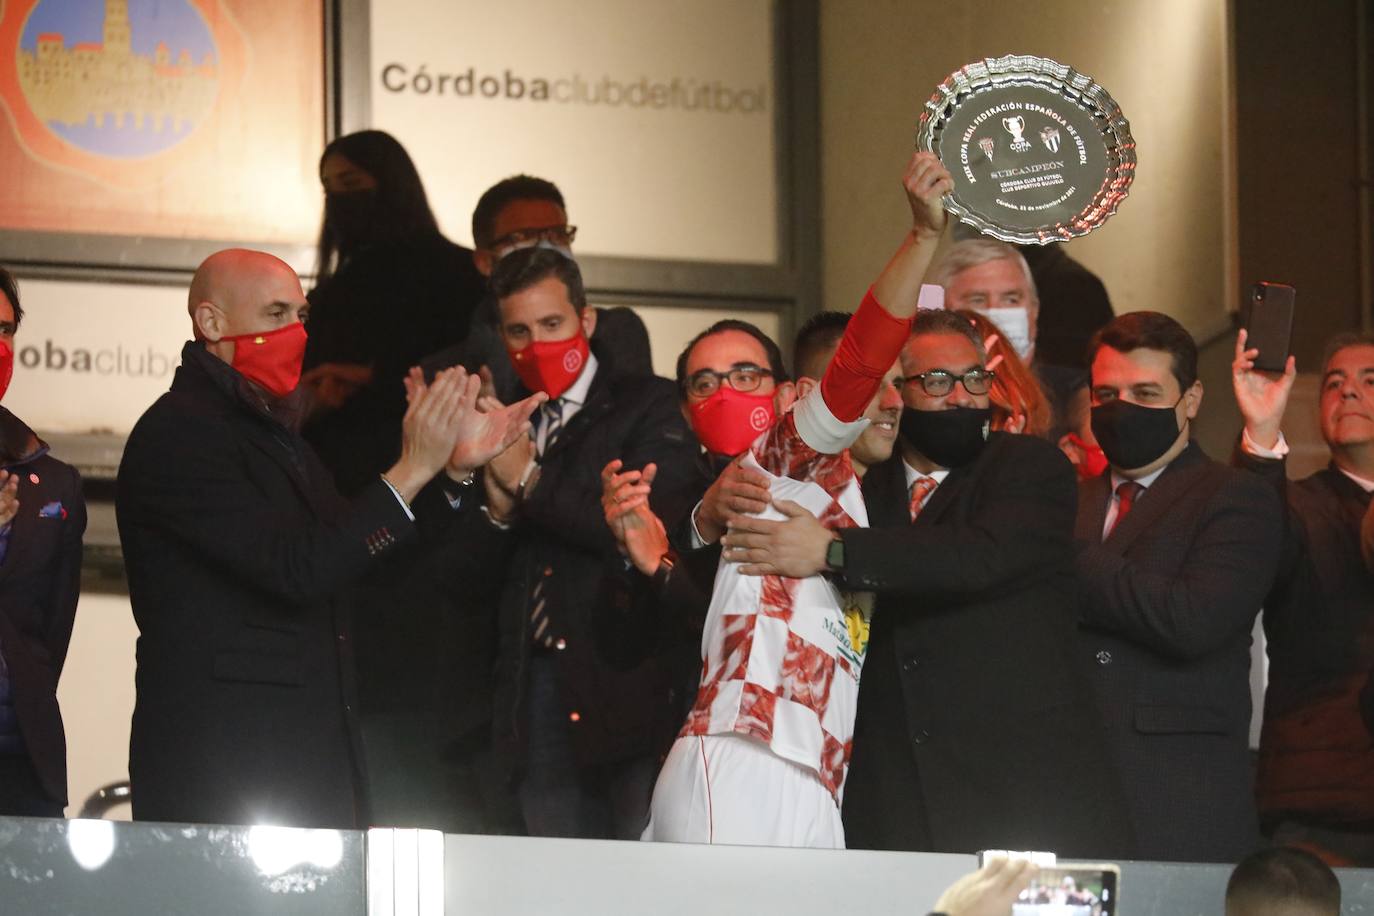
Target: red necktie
(1126, 494)
(919, 491)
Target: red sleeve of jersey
(872, 340)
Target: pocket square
(53, 510)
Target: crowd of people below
(433, 546)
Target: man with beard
(975, 726)
(1176, 554)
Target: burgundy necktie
(1126, 494)
(919, 491)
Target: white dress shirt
(1114, 506)
(913, 475)
(1280, 449)
(571, 401)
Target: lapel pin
(33, 478)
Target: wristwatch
(834, 555)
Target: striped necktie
(919, 491)
(539, 614)
(550, 424)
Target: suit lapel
(944, 496)
(1094, 496)
(1351, 497)
(277, 449)
(600, 402)
(889, 500)
(884, 489)
(203, 376)
(31, 502)
(959, 480)
(1183, 473)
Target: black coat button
(1104, 657)
(921, 737)
(911, 664)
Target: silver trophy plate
(1039, 152)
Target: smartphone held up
(1268, 321)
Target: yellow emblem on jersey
(858, 611)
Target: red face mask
(271, 359)
(551, 366)
(1094, 459)
(6, 366)
(728, 422)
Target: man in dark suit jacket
(42, 518)
(975, 726)
(1176, 553)
(1315, 784)
(578, 735)
(656, 591)
(238, 550)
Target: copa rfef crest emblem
(115, 88)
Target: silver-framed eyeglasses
(939, 382)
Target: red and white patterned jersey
(781, 657)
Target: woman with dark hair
(390, 289)
(1019, 404)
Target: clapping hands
(625, 502)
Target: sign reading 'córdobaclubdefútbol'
(1039, 152)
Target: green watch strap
(834, 555)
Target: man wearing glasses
(519, 212)
(523, 211)
(763, 754)
(975, 726)
(732, 385)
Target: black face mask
(1132, 436)
(350, 214)
(950, 438)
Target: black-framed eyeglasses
(939, 382)
(560, 235)
(742, 378)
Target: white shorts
(733, 789)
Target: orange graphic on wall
(162, 118)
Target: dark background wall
(1302, 130)
(1297, 132)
